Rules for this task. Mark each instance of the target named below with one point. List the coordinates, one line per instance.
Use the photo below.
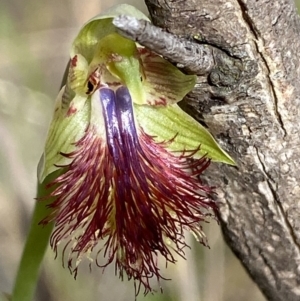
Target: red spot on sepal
(74, 61)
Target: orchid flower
(126, 158)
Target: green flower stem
(34, 250)
(4, 297)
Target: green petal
(78, 74)
(150, 78)
(165, 123)
(67, 127)
(163, 83)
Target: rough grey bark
(252, 108)
(193, 57)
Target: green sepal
(67, 127)
(166, 123)
(99, 27)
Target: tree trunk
(252, 108)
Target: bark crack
(273, 93)
(247, 19)
(256, 38)
(278, 203)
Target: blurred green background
(35, 37)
